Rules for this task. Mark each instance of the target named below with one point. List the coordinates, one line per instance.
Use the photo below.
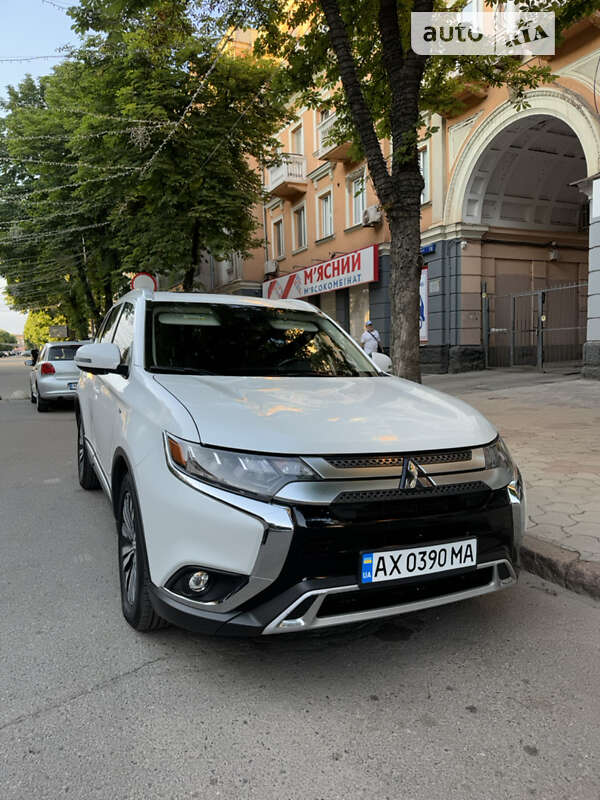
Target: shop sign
(341, 272)
(424, 307)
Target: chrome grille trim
(375, 495)
(390, 465)
(362, 462)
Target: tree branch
(361, 116)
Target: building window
(358, 199)
(297, 143)
(424, 167)
(325, 215)
(299, 222)
(278, 240)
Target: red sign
(341, 272)
(144, 280)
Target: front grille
(362, 462)
(379, 495)
(369, 599)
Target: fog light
(198, 581)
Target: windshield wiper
(181, 370)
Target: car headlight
(247, 473)
(497, 456)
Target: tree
(7, 340)
(355, 56)
(37, 328)
(149, 181)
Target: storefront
(352, 288)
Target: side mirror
(382, 361)
(29, 362)
(100, 358)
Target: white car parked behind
(54, 375)
(266, 476)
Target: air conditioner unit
(371, 216)
(270, 268)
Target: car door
(101, 414)
(109, 403)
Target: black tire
(85, 471)
(42, 405)
(133, 566)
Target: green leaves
(118, 102)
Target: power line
(97, 115)
(51, 234)
(187, 109)
(50, 216)
(20, 197)
(74, 164)
(55, 5)
(21, 59)
(73, 136)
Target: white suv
(267, 476)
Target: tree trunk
(188, 277)
(93, 307)
(405, 278)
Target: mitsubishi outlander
(267, 476)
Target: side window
(124, 334)
(109, 325)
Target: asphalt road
(492, 698)
(14, 378)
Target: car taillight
(47, 368)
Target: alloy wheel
(128, 548)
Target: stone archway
(560, 104)
(511, 196)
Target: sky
(29, 28)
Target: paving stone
(585, 529)
(563, 507)
(588, 517)
(553, 431)
(554, 518)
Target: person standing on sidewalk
(370, 340)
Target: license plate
(411, 562)
(72, 386)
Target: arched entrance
(525, 237)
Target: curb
(564, 567)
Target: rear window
(62, 352)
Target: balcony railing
(330, 150)
(289, 177)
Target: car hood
(317, 416)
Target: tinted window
(108, 326)
(124, 334)
(62, 352)
(248, 340)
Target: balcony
(288, 178)
(328, 150)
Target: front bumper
(305, 576)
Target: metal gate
(535, 328)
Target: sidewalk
(551, 423)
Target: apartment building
(510, 240)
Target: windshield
(63, 352)
(220, 339)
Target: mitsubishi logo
(410, 475)
(414, 476)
